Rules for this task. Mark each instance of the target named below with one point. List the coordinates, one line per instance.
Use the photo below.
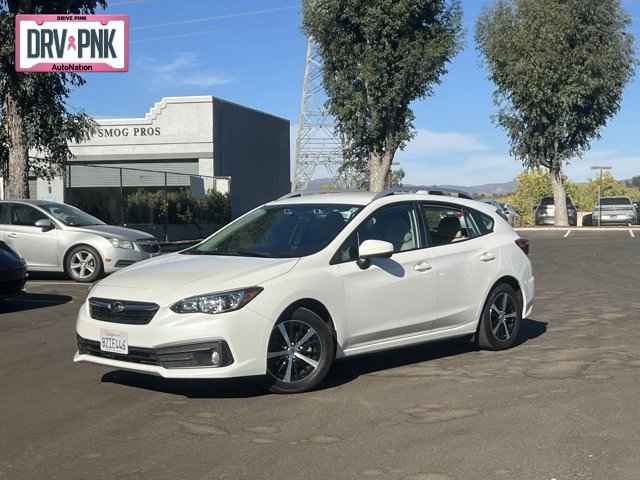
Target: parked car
(499, 208)
(513, 217)
(57, 237)
(546, 212)
(291, 286)
(13, 272)
(614, 211)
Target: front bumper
(244, 332)
(118, 258)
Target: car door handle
(12, 235)
(422, 267)
(487, 257)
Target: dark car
(546, 212)
(500, 210)
(13, 272)
(614, 211)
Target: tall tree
(379, 56)
(560, 68)
(34, 114)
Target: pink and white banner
(72, 43)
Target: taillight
(523, 243)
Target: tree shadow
(32, 301)
(343, 372)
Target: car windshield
(279, 231)
(615, 201)
(70, 216)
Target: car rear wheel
(501, 320)
(83, 264)
(301, 352)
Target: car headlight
(213, 303)
(117, 243)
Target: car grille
(148, 246)
(180, 356)
(122, 311)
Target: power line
(217, 17)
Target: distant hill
(485, 189)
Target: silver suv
(55, 237)
(614, 211)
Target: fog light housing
(211, 354)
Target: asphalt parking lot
(562, 405)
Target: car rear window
(615, 201)
(546, 201)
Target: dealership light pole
(318, 148)
(602, 170)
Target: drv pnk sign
(72, 43)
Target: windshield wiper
(249, 253)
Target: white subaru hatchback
(297, 283)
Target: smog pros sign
(72, 43)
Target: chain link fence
(170, 205)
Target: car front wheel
(301, 351)
(83, 264)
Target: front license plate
(114, 342)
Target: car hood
(167, 279)
(113, 231)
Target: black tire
(90, 271)
(497, 331)
(291, 370)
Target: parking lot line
(633, 235)
(567, 234)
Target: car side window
(25, 215)
(446, 224)
(483, 222)
(396, 224)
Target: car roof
(363, 199)
(37, 203)
(338, 198)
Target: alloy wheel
(83, 264)
(503, 317)
(295, 351)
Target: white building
(199, 142)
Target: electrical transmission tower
(318, 148)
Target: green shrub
(177, 207)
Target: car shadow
(48, 276)
(232, 388)
(349, 369)
(32, 301)
(343, 372)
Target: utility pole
(602, 170)
(318, 148)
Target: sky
(252, 52)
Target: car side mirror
(45, 224)
(373, 249)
